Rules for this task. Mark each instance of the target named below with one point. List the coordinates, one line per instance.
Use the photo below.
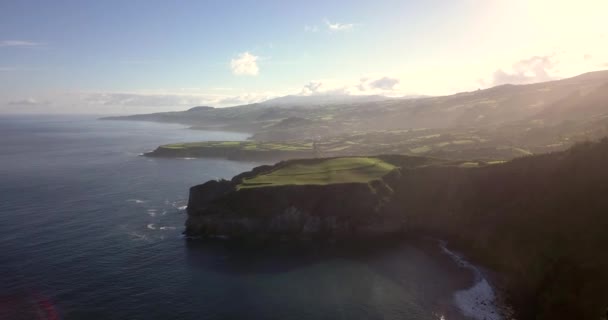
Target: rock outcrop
(292, 212)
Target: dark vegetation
(540, 221)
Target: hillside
(499, 123)
(549, 103)
(539, 221)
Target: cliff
(235, 150)
(335, 198)
(538, 221)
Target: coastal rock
(295, 212)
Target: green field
(463, 144)
(241, 145)
(330, 171)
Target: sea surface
(89, 229)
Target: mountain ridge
(540, 117)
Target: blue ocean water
(91, 230)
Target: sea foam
(479, 301)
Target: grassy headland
(323, 172)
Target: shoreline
(482, 300)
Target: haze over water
(91, 230)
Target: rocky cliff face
(294, 212)
(539, 221)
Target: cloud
(20, 44)
(533, 69)
(312, 28)
(316, 88)
(172, 100)
(27, 102)
(384, 83)
(337, 27)
(245, 64)
(371, 85)
(377, 85)
(312, 87)
(144, 100)
(244, 99)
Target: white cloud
(245, 64)
(244, 99)
(336, 27)
(530, 70)
(171, 99)
(312, 28)
(312, 87)
(384, 83)
(371, 85)
(27, 102)
(20, 43)
(324, 87)
(146, 100)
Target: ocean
(89, 229)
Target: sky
(136, 56)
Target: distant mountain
(581, 99)
(321, 99)
(201, 108)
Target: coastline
(482, 300)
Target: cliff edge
(334, 198)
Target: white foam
(167, 228)
(152, 212)
(139, 237)
(151, 226)
(136, 201)
(179, 205)
(479, 301)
